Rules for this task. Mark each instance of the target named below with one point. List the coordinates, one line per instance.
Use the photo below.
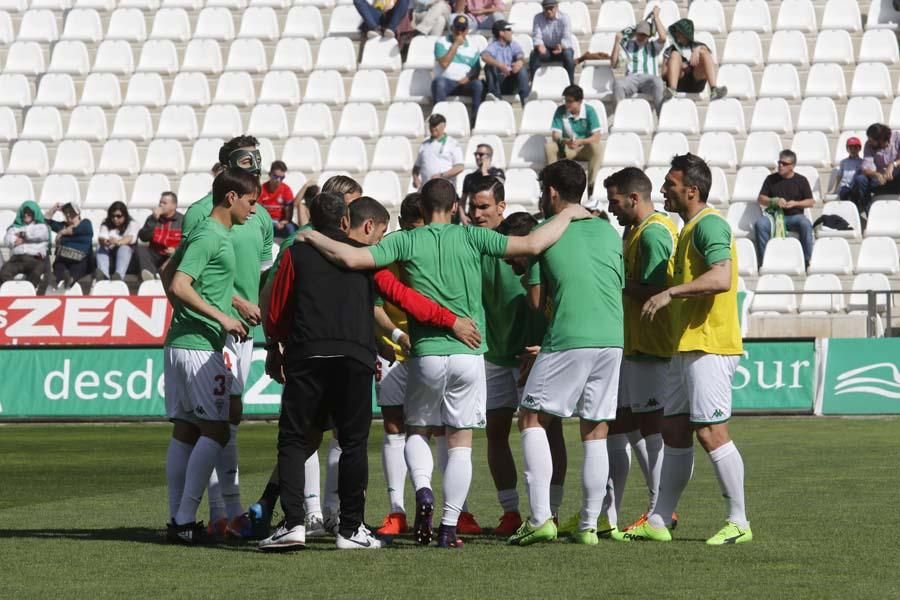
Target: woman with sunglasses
(278, 198)
(116, 242)
(73, 244)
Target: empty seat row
(830, 255)
(834, 45)
(815, 300)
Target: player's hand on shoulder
(467, 332)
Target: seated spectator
(688, 65)
(484, 154)
(162, 230)
(74, 239)
(504, 65)
(29, 240)
(278, 198)
(116, 241)
(848, 169)
(482, 14)
(439, 156)
(642, 55)
(551, 33)
(306, 193)
(429, 17)
(457, 66)
(879, 173)
(783, 197)
(575, 132)
(382, 17)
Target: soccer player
(702, 293)
(199, 282)
(446, 378)
(577, 369)
(649, 250)
(253, 245)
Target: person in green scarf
(688, 65)
(28, 239)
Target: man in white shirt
(643, 54)
(440, 156)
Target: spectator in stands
(484, 154)
(306, 193)
(482, 14)
(551, 33)
(162, 230)
(879, 174)
(439, 156)
(381, 17)
(642, 55)
(783, 197)
(278, 198)
(430, 17)
(688, 64)
(74, 238)
(504, 65)
(116, 241)
(457, 66)
(848, 169)
(575, 132)
(28, 239)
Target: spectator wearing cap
(482, 14)
(575, 132)
(553, 42)
(848, 169)
(429, 17)
(439, 156)
(783, 198)
(457, 66)
(381, 17)
(504, 65)
(642, 55)
(879, 173)
(688, 65)
(277, 197)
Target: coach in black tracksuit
(323, 315)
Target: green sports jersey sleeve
(592, 119)
(557, 123)
(487, 241)
(268, 233)
(712, 239)
(656, 248)
(393, 248)
(533, 277)
(195, 213)
(197, 254)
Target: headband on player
(234, 160)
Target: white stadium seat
(87, 123)
(153, 287)
(623, 150)
(326, 87)
(818, 114)
(7, 34)
(158, 56)
(190, 89)
(831, 255)
(528, 151)
(871, 79)
(812, 149)
(406, 119)
(15, 90)
(865, 282)
(421, 52)
(666, 145)
(59, 188)
(74, 157)
(292, 54)
(878, 255)
(882, 15)
(842, 14)
(826, 80)
(772, 114)
(110, 288)
(707, 15)
(204, 154)
(747, 184)
(347, 154)
(133, 123)
(26, 58)
(597, 82)
(746, 254)
(42, 123)
(268, 121)
(384, 186)
(345, 21)
(780, 81)
(381, 53)
(796, 15)
(148, 187)
(739, 81)
(744, 48)
(718, 149)
(496, 117)
(812, 175)
(9, 129)
(521, 15)
(834, 47)
(70, 57)
(302, 154)
(103, 190)
(56, 89)
(177, 122)
(847, 210)
(579, 16)
(336, 53)
(821, 303)
(413, 85)
(38, 26)
(171, 24)
(214, 23)
(17, 288)
(862, 112)
(280, 87)
(120, 157)
(392, 153)
(536, 116)
(83, 24)
(114, 57)
(788, 47)
(304, 22)
(726, 115)
(259, 23)
(751, 15)
(761, 149)
(549, 82)
(359, 119)
(785, 303)
(884, 219)
(101, 90)
(783, 256)
(164, 156)
(100, 5)
(14, 190)
(894, 118)
(457, 116)
(613, 16)
(680, 114)
(202, 56)
(879, 45)
(522, 186)
(494, 142)
(370, 86)
(719, 195)
(633, 115)
(314, 120)
(194, 186)
(247, 55)
(127, 24)
(235, 88)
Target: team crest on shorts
(530, 401)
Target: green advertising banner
(862, 377)
(774, 376)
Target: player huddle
(639, 338)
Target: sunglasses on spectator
(118, 216)
(785, 163)
(277, 177)
(482, 154)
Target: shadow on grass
(138, 535)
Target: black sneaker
(189, 534)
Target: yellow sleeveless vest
(398, 317)
(707, 323)
(645, 337)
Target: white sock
(654, 444)
(332, 499)
(639, 451)
(556, 498)
(394, 463)
(419, 461)
(619, 466)
(457, 479)
(594, 473)
(214, 498)
(312, 486)
(229, 479)
(176, 463)
(199, 467)
(538, 471)
(678, 464)
(509, 500)
(729, 468)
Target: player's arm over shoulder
(487, 241)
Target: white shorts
(238, 358)
(197, 385)
(583, 382)
(392, 387)
(699, 384)
(502, 383)
(446, 390)
(642, 384)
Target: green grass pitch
(82, 509)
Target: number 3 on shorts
(221, 380)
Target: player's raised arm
(547, 234)
(338, 253)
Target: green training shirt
(510, 321)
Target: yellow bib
(645, 337)
(705, 323)
(398, 317)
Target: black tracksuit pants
(319, 393)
